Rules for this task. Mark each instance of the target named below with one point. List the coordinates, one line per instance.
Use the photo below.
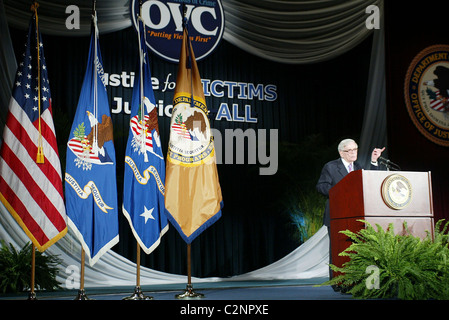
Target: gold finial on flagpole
(34, 6)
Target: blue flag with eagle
(90, 178)
(144, 177)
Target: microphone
(384, 160)
(390, 164)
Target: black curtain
(316, 106)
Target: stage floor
(223, 290)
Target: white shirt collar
(347, 164)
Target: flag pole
(189, 293)
(40, 155)
(138, 294)
(32, 295)
(40, 150)
(81, 293)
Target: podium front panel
(375, 196)
(420, 202)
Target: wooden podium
(380, 197)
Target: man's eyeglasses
(351, 150)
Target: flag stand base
(189, 294)
(82, 295)
(138, 295)
(32, 296)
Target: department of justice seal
(396, 191)
(426, 92)
(191, 143)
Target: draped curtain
(296, 31)
(282, 31)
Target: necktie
(350, 167)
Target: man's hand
(376, 154)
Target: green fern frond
(15, 269)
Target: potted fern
(15, 269)
(387, 265)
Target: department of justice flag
(31, 185)
(90, 178)
(193, 197)
(144, 177)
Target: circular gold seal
(191, 142)
(426, 91)
(396, 191)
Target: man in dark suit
(335, 170)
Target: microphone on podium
(389, 164)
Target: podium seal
(396, 191)
(426, 91)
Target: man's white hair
(344, 143)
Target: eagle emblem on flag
(89, 149)
(191, 143)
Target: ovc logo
(163, 25)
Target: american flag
(32, 192)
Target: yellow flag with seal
(193, 199)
